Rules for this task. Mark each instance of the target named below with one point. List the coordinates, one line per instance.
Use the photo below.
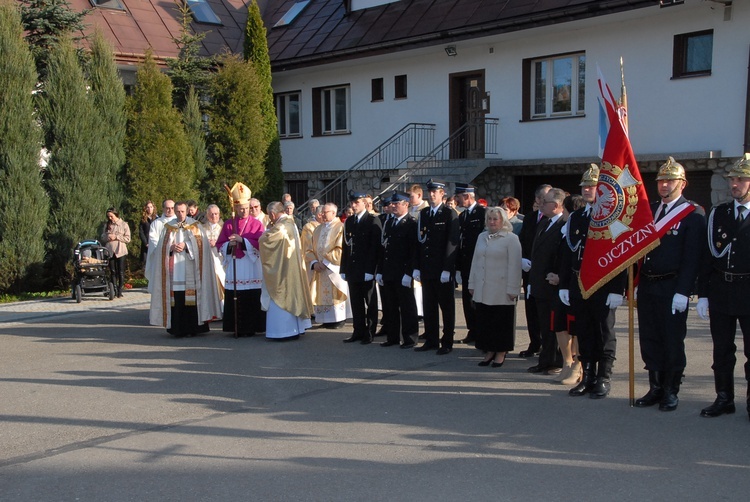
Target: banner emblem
(616, 203)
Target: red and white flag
(622, 227)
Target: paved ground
(96, 405)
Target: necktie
(662, 212)
(740, 213)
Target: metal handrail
(409, 143)
(443, 151)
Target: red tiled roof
(155, 24)
(325, 32)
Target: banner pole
(631, 336)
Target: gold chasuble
(284, 274)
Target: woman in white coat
(494, 283)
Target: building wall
(667, 117)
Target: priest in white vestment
(323, 259)
(154, 234)
(286, 292)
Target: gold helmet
(240, 194)
(741, 168)
(591, 177)
(671, 170)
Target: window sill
(691, 75)
(559, 117)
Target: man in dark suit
(667, 279)
(724, 286)
(398, 259)
(358, 268)
(470, 225)
(527, 235)
(595, 316)
(438, 238)
(544, 261)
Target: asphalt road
(95, 405)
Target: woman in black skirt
(494, 283)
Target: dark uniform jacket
(725, 274)
(673, 266)
(470, 224)
(545, 258)
(438, 242)
(398, 253)
(578, 228)
(361, 244)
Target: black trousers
(467, 300)
(661, 333)
(595, 328)
(250, 317)
(550, 355)
(364, 304)
(723, 331)
(117, 267)
(437, 297)
(399, 312)
(185, 318)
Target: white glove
(369, 277)
(458, 277)
(379, 279)
(343, 277)
(635, 294)
(564, 295)
(417, 276)
(702, 308)
(528, 291)
(679, 303)
(406, 281)
(445, 277)
(614, 300)
(525, 264)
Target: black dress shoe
(334, 325)
(538, 369)
(485, 363)
(381, 332)
(425, 348)
(466, 341)
(497, 365)
(720, 407)
(366, 340)
(601, 387)
(444, 350)
(352, 339)
(407, 345)
(388, 344)
(528, 353)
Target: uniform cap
(435, 185)
(590, 178)
(741, 168)
(671, 170)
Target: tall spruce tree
(159, 157)
(190, 69)
(256, 51)
(75, 182)
(196, 133)
(23, 204)
(46, 21)
(109, 101)
(236, 146)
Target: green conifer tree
(159, 157)
(189, 69)
(196, 133)
(236, 146)
(75, 182)
(109, 101)
(23, 204)
(256, 51)
(46, 21)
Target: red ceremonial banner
(622, 227)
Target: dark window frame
(680, 57)
(377, 89)
(400, 85)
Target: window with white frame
(555, 86)
(288, 114)
(331, 110)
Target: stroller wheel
(78, 293)
(111, 291)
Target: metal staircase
(411, 143)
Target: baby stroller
(92, 273)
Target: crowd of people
(274, 274)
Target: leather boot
(655, 390)
(724, 403)
(672, 381)
(587, 382)
(602, 384)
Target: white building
(349, 74)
